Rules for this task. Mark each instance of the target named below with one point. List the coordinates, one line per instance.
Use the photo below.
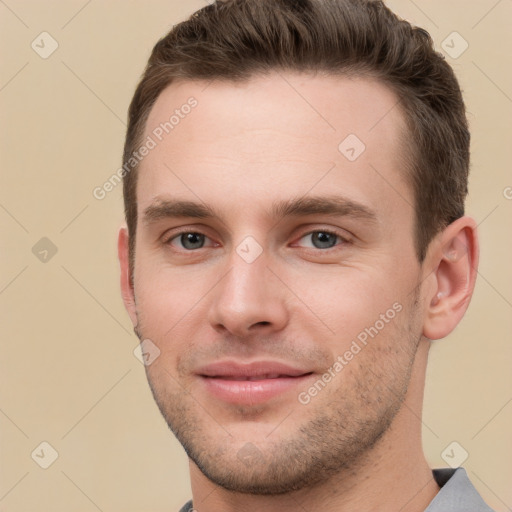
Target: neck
(393, 475)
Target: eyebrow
(338, 206)
(163, 209)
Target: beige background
(68, 373)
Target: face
(275, 272)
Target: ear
(454, 260)
(127, 290)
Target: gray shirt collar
(457, 493)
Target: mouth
(256, 377)
(253, 383)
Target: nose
(248, 300)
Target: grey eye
(192, 240)
(323, 239)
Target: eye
(189, 241)
(320, 240)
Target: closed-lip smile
(250, 383)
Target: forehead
(272, 136)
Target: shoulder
(188, 507)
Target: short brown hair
(235, 40)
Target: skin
(243, 149)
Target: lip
(251, 383)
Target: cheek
(165, 295)
(349, 300)
(167, 310)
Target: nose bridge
(253, 273)
(246, 282)
(248, 295)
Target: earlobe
(455, 262)
(127, 290)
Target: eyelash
(341, 240)
(174, 236)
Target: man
(295, 176)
